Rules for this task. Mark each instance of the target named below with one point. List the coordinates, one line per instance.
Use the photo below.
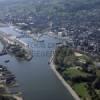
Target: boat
(6, 61)
(48, 62)
(40, 40)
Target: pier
(16, 46)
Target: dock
(15, 46)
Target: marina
(15, 46)
(7, 81)
(37, 80)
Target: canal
(37, 80)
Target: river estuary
(36, 79)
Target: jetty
(15, 46)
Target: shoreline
(66, 85)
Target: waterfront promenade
(66, 85)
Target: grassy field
(81, 90)
(73, 72)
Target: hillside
(60, 12)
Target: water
(9, 30)
(37, 80)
